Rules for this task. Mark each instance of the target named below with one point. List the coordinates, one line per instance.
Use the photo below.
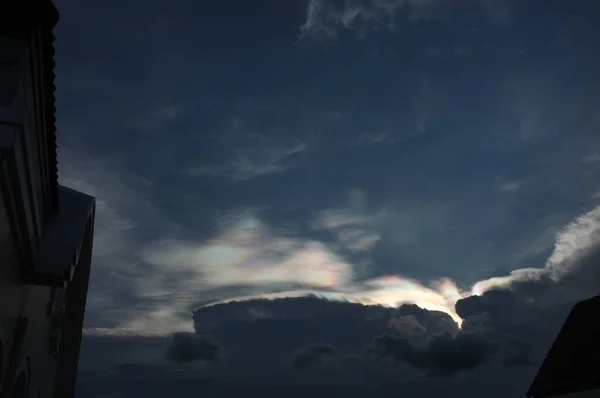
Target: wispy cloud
(250, 253)
(119, 279)
(591, 158)
(251, 163)
(326, 17)
(572, 243)
(384, 138)
(353, 225)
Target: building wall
(18, 111)
(29, 302)
(38, 246)
(19, 138)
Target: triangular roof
(573, 363)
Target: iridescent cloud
(249, 253)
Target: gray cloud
(324, 17)
(517, 352)
(123, 211)
(312, 354)
(444, 355)
(327, 17)
(510, 186)
(427, 340)
(251, 163)
(591, 159)
(191, 347)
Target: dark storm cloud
(427, 340)
(525, 316)
(444, 355)
(312, 354)
(191, 347)
(283, 325)
(517, 352)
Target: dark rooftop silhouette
(572, 363)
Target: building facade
(46, 230)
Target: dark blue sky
(379, 151)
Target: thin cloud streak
(591, 159)
(571, 243)
(250, 163)
(326, 18)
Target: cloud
(113, 231)
(190, 347)
(312, 354)
(510, 186)
(250, 253)
(251, 163)
(573, 247)
(123, 292)
(389, 291)
(162, 278)
(327, 17)
(426, 340)
(444, 355)
(324, 18)
(591, 159)
(518, 352)
(397, 137)
(148, 285)
(353, 226)
(285, 324)
(499, 321)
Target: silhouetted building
(46, 231)
(573, 363)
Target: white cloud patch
(574, 241)
(249, 253)
(510, 186)
(250, 163)
(571, 244)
